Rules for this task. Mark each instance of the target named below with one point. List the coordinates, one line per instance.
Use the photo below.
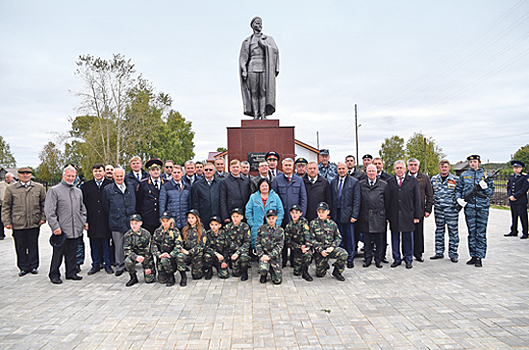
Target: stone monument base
(255, 137)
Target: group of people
(171, 218)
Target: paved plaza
(435, 305)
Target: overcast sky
(458, 71)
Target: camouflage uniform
(298, 234)
(195, 256)
(270, 241)
(446, 213)
(325, 234)
(216, 244)
(239, 239)
(330, 172)
(139, 244)
(169, 242)
(477, 214)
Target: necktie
(371, 183)
(313, 181)
(156, 185)
(288, 177)
(340, 189)
(138, 177)
(400, 181)
(122, 188)
(98, 184)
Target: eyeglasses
(208, 169)
(168, 167)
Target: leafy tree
(6, 157)
(523, 155)
(123, 117)
(391, 150)
(221, 149)
(52, 161)
(434, 153)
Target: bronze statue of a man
(259, 66)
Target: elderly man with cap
(326, 169)
(517, 191)
(136, 173)
(119, 203)
(259, 66)
(353, 171)
(272, 158)
(66, 215)
(366, 160)
(23, 212)
(97, 220)
(474, 195)
(301, 167)
(148, 194)
(9, 178)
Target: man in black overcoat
(148, 196)
(98, 230)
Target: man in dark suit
(318, 190)
(98, 230)
(426, 206)
(136, 174)
(205, 195)
(404, 213)
(234, 191)
(353, 171)
(168, 170)
(190, 177)
(254, 180)
(346, 199)
(148, 196)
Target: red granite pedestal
(258, 137)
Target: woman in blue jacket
(260, 202)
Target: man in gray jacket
(23, 211)
(66, 215)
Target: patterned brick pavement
(435, 305)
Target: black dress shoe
(350, 264)
(454, 260)
(78, 268)
(119, 272)
(478, 262)
(524, 237)
(436, 256)
(378, 265)
(419, 258)
(409, 265)
(22, 273)
(109, 270)
(385, 261)
(34, 271)
(472, 261)
(511, 234)
(366, 264)
(93, 271)
(56, 281)
(395, 264)
(74, 278)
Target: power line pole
(318, 140)
(356, 130)
(425, 155)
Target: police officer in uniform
(148, 194)
(301, 167)
(517, 191)
(476, 181)
(272, 158)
